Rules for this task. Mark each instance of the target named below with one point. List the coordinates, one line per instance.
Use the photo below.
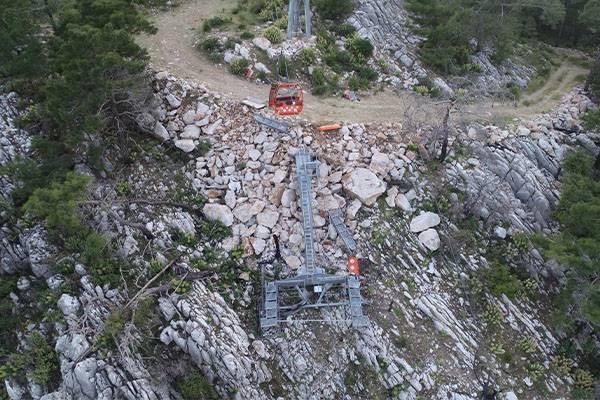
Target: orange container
(330, 127)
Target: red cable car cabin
(286, 98)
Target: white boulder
(402, 202)
(424, 221)
(68, 304)
(381, 163)
(364, 185)
(262, 43)
(186, 145)
(218, 212)
(190, 132)
(160, 132)
(268, 218)
(430, 239)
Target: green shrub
(39, 359)
(527, 345)
(354, 83)
(563, 364)
(28, 174)
(334, 9)
(43, 358)
(123, 189)
(471, 67)
(246, 35)
(593, 82)
(497, 348)
(195, 386)
(535, 371)
(493, 316)
(367, 73)
(183, 238)
(274, 34)
(215, 57)
(210, 44)
(286, 67)
(239, 66)
(230, 43)
(591, 120)
(306, 57)
(421, 89)
(282, 22)
(339, 61)
(515, 91)
(360, 48)
(324, 41)
(214, 22)
(500, 280)
(214, 230)
(57, 204)
(583, 379)
(144, 311)
(181, 285)
(113, 325)
(265, 9)
(321, 84)
(345, 29)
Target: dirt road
(172, 49)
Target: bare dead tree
(445, 132)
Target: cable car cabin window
(287, 95)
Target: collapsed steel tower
(311, 288)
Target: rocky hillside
(390, 28)
(195, 215)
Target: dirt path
(559, 82)
(172, 49)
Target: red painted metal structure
(353, 268)
(286, 98)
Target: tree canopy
(455, 29)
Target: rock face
(212, 334)
(247, 178)
(424, 221)
(364, 185)
(516, 178)
(13, 142)
(387, 25)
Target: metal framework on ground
(312, 287)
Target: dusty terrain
(172, 49)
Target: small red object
(286, 98)
(353, 268)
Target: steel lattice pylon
(294, 18)
(311, 288)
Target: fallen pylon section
(311, 288)
(278, 125)
(336, 219)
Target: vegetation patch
(214, 22)
(194, 386)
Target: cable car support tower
(294, 18)
(312, 287)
